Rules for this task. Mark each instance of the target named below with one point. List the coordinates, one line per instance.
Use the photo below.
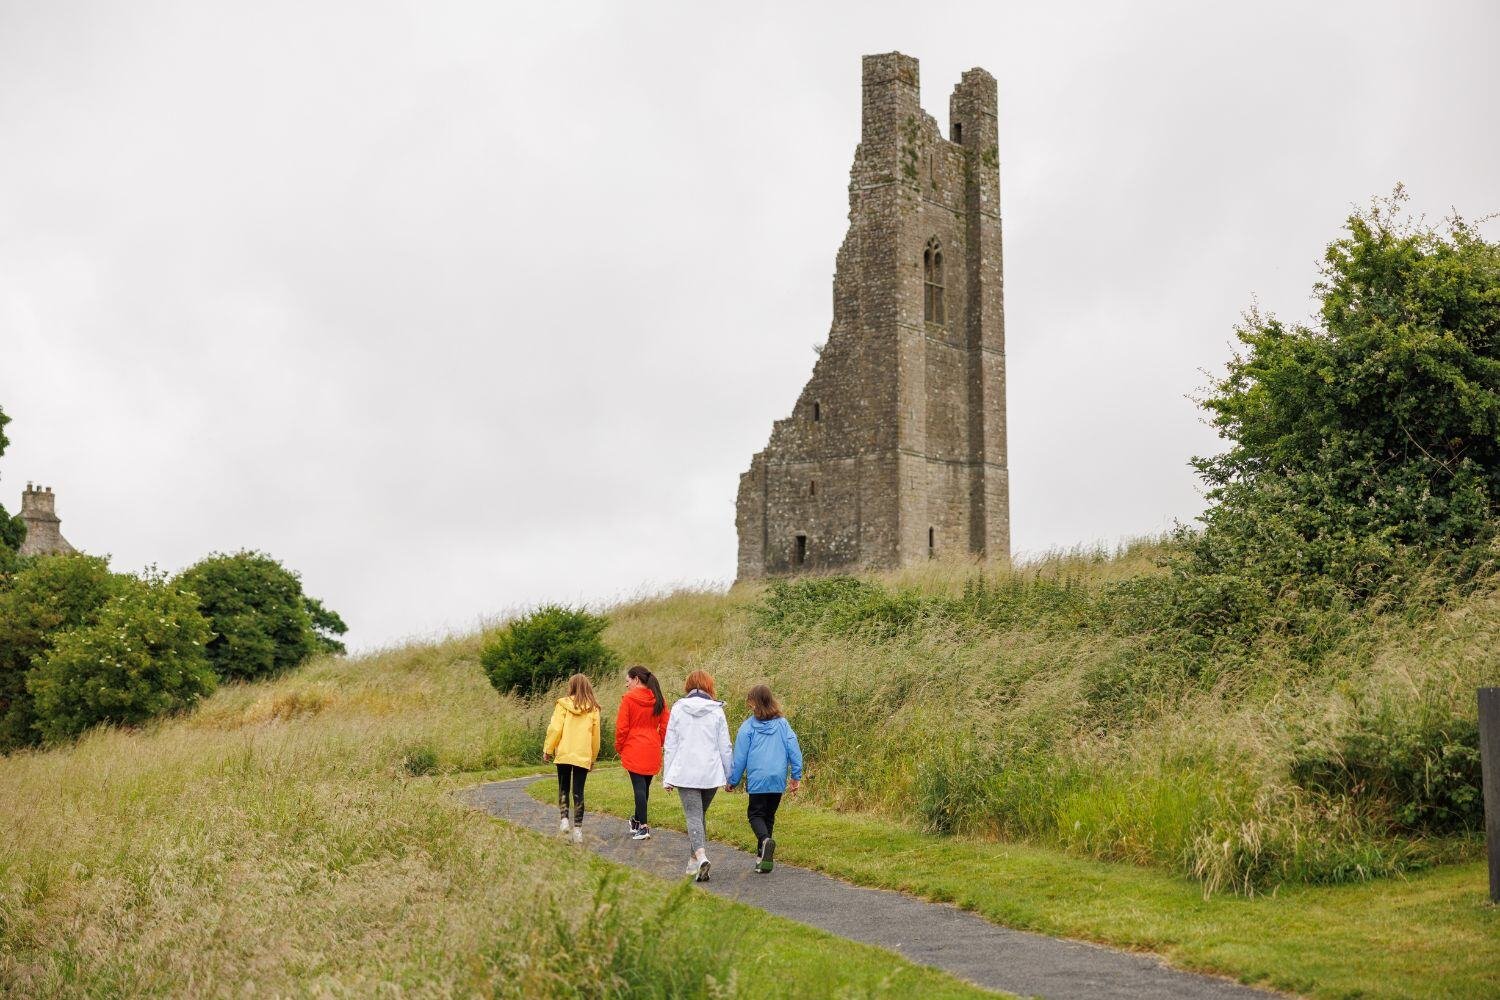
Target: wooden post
(1489, 766)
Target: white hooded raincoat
(697, 753)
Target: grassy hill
(276, 842)
(301, 835)
(1038, 704)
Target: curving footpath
(936, 934)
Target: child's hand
(794, 784)
(666, 787)
(546, 758)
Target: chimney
(38, 502)
(43, 526)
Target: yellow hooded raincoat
(573, 734)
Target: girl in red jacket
(640, 729)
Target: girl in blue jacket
(764, 750)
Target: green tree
(47, 597)
(143, 657)
(531, 654)
(12, 529)
(263, 624)
(1368, 445)
(327, 627)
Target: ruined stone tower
(43, 526)
(895, 451)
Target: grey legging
(694, 804)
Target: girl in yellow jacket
(573, 739)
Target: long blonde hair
(582, 693)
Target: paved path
(935, 934)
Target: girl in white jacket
(696, 760)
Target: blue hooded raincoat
(763, 751)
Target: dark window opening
(958, 132)
(817, 411)
(931, 543)
(932, 284)
(801, 554)
(812, 488)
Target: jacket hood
(643, 696)
(696, 704)
(764, 726)
(567, 705)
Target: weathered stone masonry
(895, 451)
(43, 526)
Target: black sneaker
(767, 856)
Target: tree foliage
(47, 597)
(263, 623)
(327, 626)
(142, 657)
(12, 529)
(1368, 445)
(531, 654)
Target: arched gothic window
(932, 284)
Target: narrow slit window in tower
(800, 557)
(817, 411)
(932, 284)
(958, 132)
(812, 488)
(931, 543)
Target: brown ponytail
(647, 678)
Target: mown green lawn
(1431, 935)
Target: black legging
(641, 784)
(571, 774)
(762, 815)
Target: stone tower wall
(898, 438)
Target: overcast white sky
(461, 307)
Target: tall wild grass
(300, 836)
(304, 837)
(1063, 701)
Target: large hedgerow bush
(263, 623)
(530, 654)
(45, 598)
(1365, 448)
(141, 657)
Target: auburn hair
(647, 678)
(582, 693)
(763, 703)
(702, 680)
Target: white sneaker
(564, 826)
(577, 834)
(703, 867)
(692, 868)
